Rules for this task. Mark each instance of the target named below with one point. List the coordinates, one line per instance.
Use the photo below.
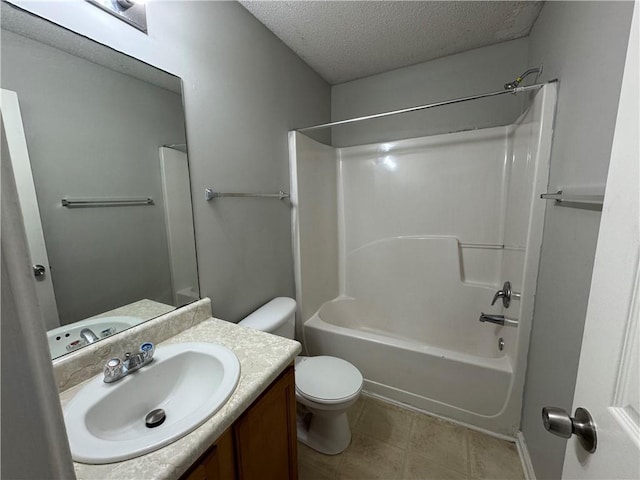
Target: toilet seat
(327, 380)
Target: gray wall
(477, 71)
(94, 132)
(244, 89)
(583, 44)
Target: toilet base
(328, 434)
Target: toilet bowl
(325, 386)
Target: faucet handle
(147, 349)
(112, 370)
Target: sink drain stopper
(155, 418)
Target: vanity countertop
(262, 358)
(144, 309)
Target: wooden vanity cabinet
(261, 444)
(265, 435)
(217, 463)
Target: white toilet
(325, 386)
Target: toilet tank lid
(271, 316)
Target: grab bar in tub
(498, 320)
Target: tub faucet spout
(498, 320)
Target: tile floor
(389, 442)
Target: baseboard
(525, 459)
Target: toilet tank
(277, 316)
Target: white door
(16, 144)
(607, 384)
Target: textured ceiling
(346, 40)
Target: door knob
(557, 421)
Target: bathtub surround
(178, 211)
(428, 230)
(314, 211)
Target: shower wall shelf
(210, 194)
(561, 198)
(106, 202)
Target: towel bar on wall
(210, 194)
(560, 197)
(105, 202)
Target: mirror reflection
(97, 143)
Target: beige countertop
(262, 358)
(144, 309)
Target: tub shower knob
(39, 271)
(505, 294)
(557, 421)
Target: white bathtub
(457, 385)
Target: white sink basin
(189, 381)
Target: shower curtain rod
(424, 107)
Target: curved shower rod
(512, 91)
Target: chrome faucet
(88, 336)
(115, 368)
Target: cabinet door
(265, 436)
(217, 463)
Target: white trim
(525, 458)
(295, 236)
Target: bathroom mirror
(98, 147)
